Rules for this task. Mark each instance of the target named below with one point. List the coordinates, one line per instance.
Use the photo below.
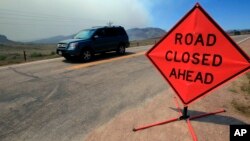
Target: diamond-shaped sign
(196, 56)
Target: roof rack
(97, 26)
(106, 26)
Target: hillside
(4, 39)
(145, 33)
(54, 39)
(134, 34)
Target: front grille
(62, 45)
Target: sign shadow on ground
(217, 119)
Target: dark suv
(95, 40)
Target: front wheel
(86, 55)
(121, 50)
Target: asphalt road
(61, 101)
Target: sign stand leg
(184, 113)
(184, 116)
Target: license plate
(59, 52)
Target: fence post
(24, 55)
(137, 43)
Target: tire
(86, 55)
(121, 50)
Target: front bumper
(63, 52)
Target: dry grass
(14, 53)
(242, 86)
(144, 42)
(245, 87)
(241, 107)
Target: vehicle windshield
(84, 34)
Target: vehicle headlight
(61, 45)
(72, 46)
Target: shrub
(52, 53)
(2, 57)
(36, 54)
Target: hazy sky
(25, 20)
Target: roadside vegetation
(144, 42)
(15, 53)
(241, 87)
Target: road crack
(23, 73)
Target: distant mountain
(145, 33)
(134, 34)
(4, 39)
(54, 39)
(238, 32)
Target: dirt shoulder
(234, 97)
(162, 107)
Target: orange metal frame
(183, 116)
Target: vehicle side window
(121, 31)
(100, 33)
(111, 32)
(115, 32)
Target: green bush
(2, 57)
(52, 53)
(36, 54)
(14, 57)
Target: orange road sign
(196, 56)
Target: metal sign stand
(183, 116)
